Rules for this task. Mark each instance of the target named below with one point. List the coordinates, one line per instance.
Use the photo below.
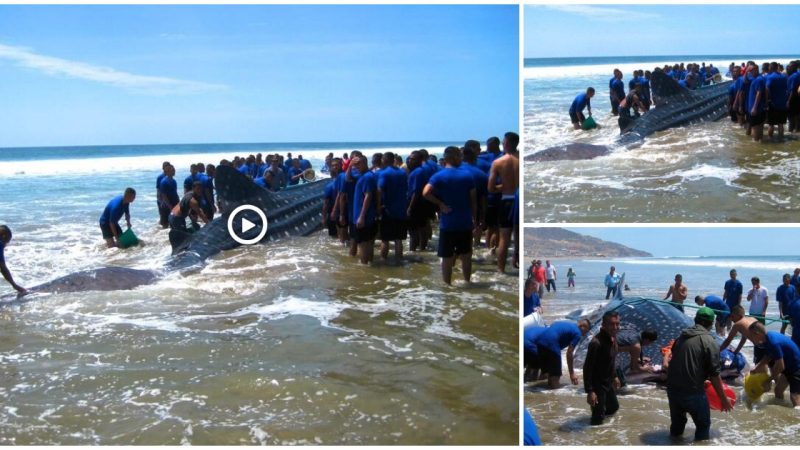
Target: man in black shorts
(452, 189)
(392, 188)
(416, 212)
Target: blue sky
(702, 241)
(635, 30)
(88, 75)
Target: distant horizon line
(227, 143)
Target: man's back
(507, 168)
(695, 358)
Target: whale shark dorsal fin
(663, 87)
(234, 188)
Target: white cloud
(105, 75)
(603, 13)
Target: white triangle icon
(247, 225)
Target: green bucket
(128, 239)
(589, 123)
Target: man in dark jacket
(695, 359)
(599, 374)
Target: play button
(247, 225)
(245, 215)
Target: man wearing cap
(695, 358)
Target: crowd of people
(392, 199)
(766, 94)
(688, 362)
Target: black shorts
(576, 117)
(454, 243)
(106, 229)
(794, 381)
(794, 105)
(776, 117)
(734, 115)
(419, 216)
(756, 120)
(530, 360)
(505, 219)
(492, 214)
(550, 362)
(392, 229)
(332, 228)
(614, 107)
(366, 234)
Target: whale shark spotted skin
(675, 106)
(295, 211)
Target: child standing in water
(570, 278)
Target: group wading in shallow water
(470, 192)
(756, 96)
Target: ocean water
(286, 343)
(562, 415)
(710, 172)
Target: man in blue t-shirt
(453, 191)
(530, 298)
(782, 358)
(168, 190)
(616, 90)
(558, 336)
(721, 310)
(304, 163)
(295, 173)
(5, 238)
(793, 314)
(331, 194)
(417, 205)
(756, 102)
(392, 206)
(793, 102)
(529, 431)
(481, 179)
(346, 185)
(364, 209)
(162, 213)
(113, 212)
(785, 295)
(530, 353)
(733, 294)
(582, 100)
(776, 85)
(485, 159)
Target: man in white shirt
(758, 299)
(550, 270)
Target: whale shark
(295, 211)
(675, 106)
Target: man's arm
(729, 339)
(428, 194)
(194, 205)
(362, 218)
(669, 293)
(7, 275)
(571, 364)
(755, 103)
(492, 183)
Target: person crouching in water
(583, 100)
(114, 210)
(630, 102)
(189, 206)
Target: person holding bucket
(576, 109)
(115, 209)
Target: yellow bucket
(754, 385)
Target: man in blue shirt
(295, 173)
(784, 356)
(611, 281)
(756, 102)
(162, 213)
(304, 163)
(558, 336)
(364, 210)
(733, 291)
(530, 298)
(481, 180)
(644, 81)
(793, 314)
(453, 191)
(417, 208)
(616, 91)
(732, 94)
(485, 159)
(785, 295)
(5, 238)
(721, 310)
(530, 354)
(113, 212)
(793, 102)
(581, 101)
(168, 195)
(531, 434)
(346, 185)
(331, 193)
(778, 100)
(392, 206)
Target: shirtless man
(505, 170)
(741, 325)
(678, 292)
